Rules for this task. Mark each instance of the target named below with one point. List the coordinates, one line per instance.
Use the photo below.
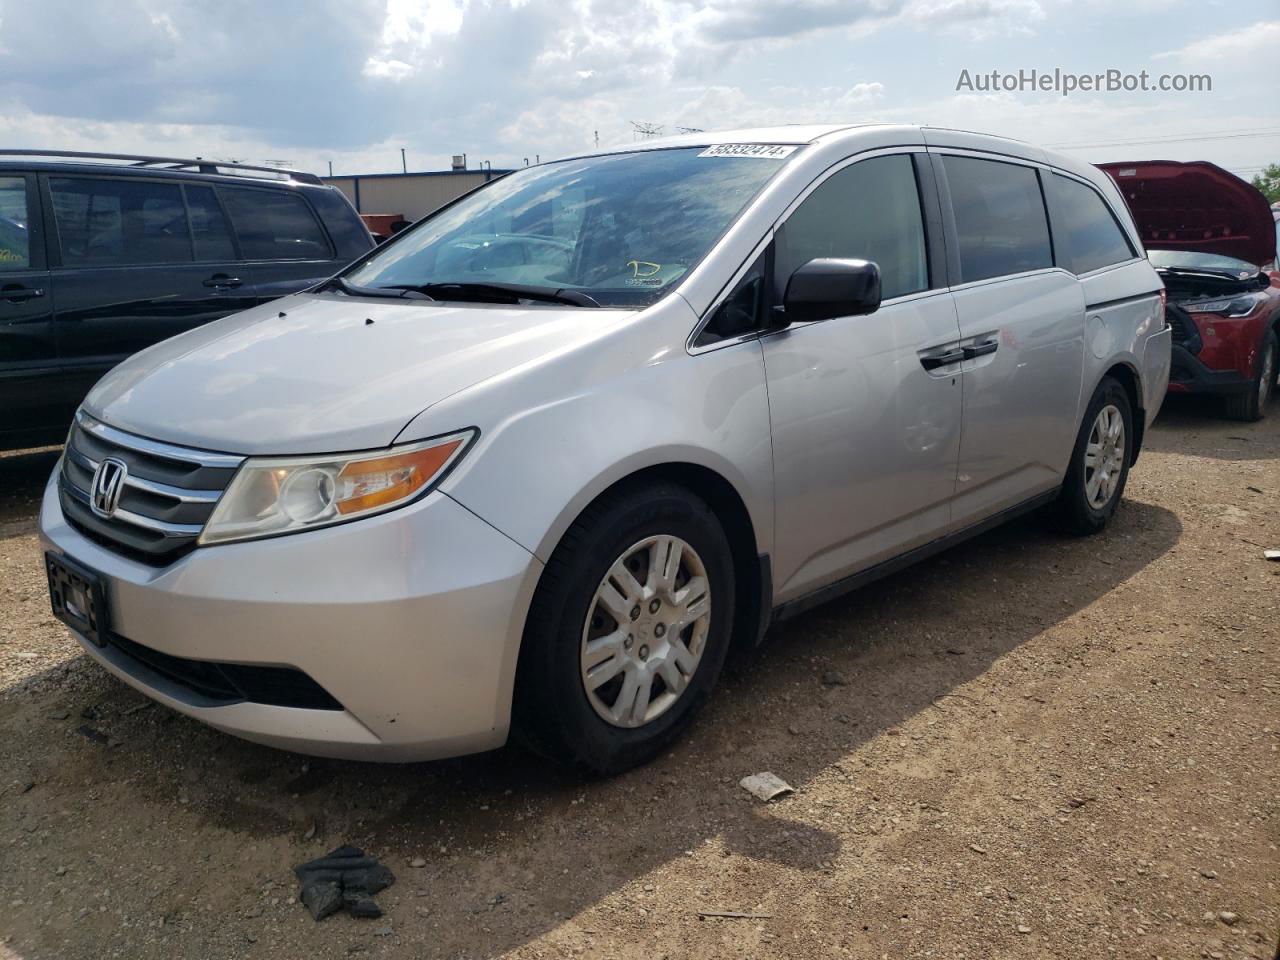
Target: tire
(562, 709)
(1252, 405)
(1081, 507)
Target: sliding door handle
(975, 350)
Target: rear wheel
(1252, 405)
(1100, 461)
(627, 632)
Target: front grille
(1185, 332)
(225, 683)
(168, 494)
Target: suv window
(209, 227)
(1000, 218)
(110, 222)
(1085, 231)
(346, 229)
(15, 247)
(274, 225)
(870, 211)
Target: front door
(865, 419)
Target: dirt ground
(1027, 747)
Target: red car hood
(1196, 206)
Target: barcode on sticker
(764, 151)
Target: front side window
(119, 222)
(867, 211)
(1000, 220)
(622, 228)
(274, 225)
(1085, 231)
(15, 240)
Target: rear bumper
(411, 621)
(1189, 374)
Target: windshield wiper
(394, 291)
(504, 293)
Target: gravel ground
(1027, 747)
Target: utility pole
(597, 138)
(404, 164)
(331, 168)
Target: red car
(1210, 236)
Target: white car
(539, 461)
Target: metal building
(412, 195)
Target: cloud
(1232, 47)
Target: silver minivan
(537, 463)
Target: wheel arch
(1127, 376)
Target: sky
(351, 82)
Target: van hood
(320, 373)
(1196, 206)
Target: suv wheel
(627, 631)
(1252, 405)
(1099, 463)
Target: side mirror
(825, 288)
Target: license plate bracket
(78, 597)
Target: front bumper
(410, 620)
(1189, 374)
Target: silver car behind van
(538, 462)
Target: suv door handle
(16, 294)
(222, 280)
(980, 349)
(942, 359)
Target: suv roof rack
(199, 164)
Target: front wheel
(1100, 461)
(627, 632)
(1252, 405)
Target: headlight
(269, 496)
(1240, 306)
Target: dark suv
(100, 259)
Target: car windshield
(621, 228)
(1191, 260)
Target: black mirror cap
(826, 287)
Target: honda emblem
(108, 485)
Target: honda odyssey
(539, 461)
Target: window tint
(274, 225)
(208, 226)
(740, 312)
(15, 245)
(110, 222)
(1000, 219)
(870, 211)
(1085, 232)
(346, 229)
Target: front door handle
(942, 359)
(980, 349)
(16, 294)
(222, 280)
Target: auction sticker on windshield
(764, 151)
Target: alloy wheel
(1104, 457)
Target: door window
(1000, 220)
(114, 222)
(274, 225)
(1085, 231)
(870, 211)
(15, 243)
(209, 227)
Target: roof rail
(199, 164)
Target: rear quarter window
(1000, 218)
(274, 225)
(345, 227)
(1085, 232)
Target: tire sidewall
(1109, 392)
(553, 661)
